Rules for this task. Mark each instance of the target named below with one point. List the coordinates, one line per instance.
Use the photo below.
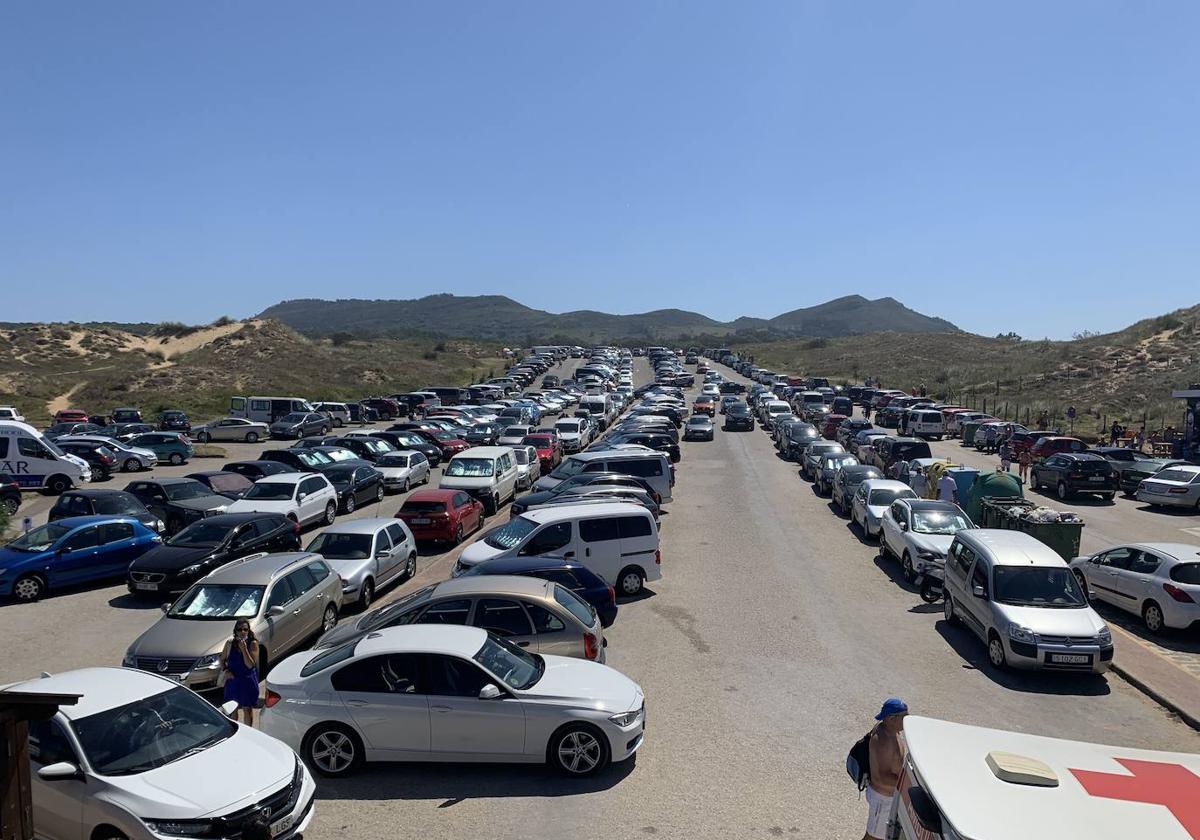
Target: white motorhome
(36, 462)
(267, 409)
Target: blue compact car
(70, 552)
(574, 576)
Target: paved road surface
(763, 653)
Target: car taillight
(1178, 490)
(612, 595)
(657, 557)
(1178, 594)
(656, 496)
(271, 699)
(591, 646)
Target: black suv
(199, 548)
(738, 416)
(178, 502)
(299, 460)
(1072, 473)
(89, 502)
(174, 421)
(254, 470)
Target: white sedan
(871, 501)
(401, 470)
(425, 692)
(1158, 581)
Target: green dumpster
(1062, 537)
(1002, 511)
(968, 431)
(994, 485)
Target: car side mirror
(903, 526)
(60, 771)
(302, 497)
(978, 592)
(229, 709)
(490, 692)
(165, 607)
(276, 611)
(381, 555)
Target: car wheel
(1063, 493)
(995, 651)
(491, 505)
(367, 594)
(329, 619)
(29, 588)
(204, 437)
(324, 431)
(948, 609)
(111, 834)
(631, 581)
(458, 534)
(131, 465)
(349, 505)
(330, 513)
(578, 750)
(411, 570)
(251, 437)
(58, 484)
(176, 459)
(1152, 617)
(333, 750)
(10, 506)
(906, 567)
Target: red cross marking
(1172, 786)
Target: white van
(926, 424)
(597, 406)
(267, 409)
(338, 412)
(617, 540)
(36, 462)
(654, 467)
(489, 473)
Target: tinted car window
(642, 468)
(502, 617)
(633, 526)
(48, 744)
(574, 605)
(551, 538)
(1186, 573)
(82, 539)
(114, 531)
(282, 593)
(397, 673)
(446, 612)
(452, 677)
(543, 620)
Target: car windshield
(443, 435)
(339, 454)
(150, 732)
(201, 533)
(270, 491)
(883, 497)
(1037, 586)
(1183, 476)
(470, 468)
(522, 455)
(117, 505)
(218, 601)
(41, 537)
(938, 522)
(513, 666)
(342, 546)
(186, 490)
(568, 426)
(568, 468)
(511, 533)
(698, 421)
(833, 462)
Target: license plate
(1071, 658)
(149, 587)
(1096, 478)
(420, 520)
(283, 825)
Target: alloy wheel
(1153, 617)
(28, 588)
(367, 595)
(579, 752)
(333, 752)
(996, 652)
(329, 620)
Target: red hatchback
(1054, 444)
(832, 421)
(548, 448)
(71, 415)
(444, 515)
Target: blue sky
(1023, 166)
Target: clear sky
(1024, 166)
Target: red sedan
(832, 421)
(445, 515)
(548, 448)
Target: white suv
(97, 764)
(301, 497)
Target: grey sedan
(231, 428)
(367, 554)
(300, 424)
(698, 427)
(1173, 487)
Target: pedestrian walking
(1139, 440)
(1114, 433)
(239, 661)
(1005, 456)
(947, 488)
(887, 760)
(1024, 461)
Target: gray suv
(288, 598)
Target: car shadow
(835, 510)
(891, 567)
(129, 601)
(859, 533)
(646, 593)
(455, 783)
(1080, 500)
(974, 655)
(1163, 510)
(1177, 641)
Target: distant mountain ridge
(502, 318)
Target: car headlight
(180, 828)
(159, 525)
(1022, 634)
(130, 661)
(188, 571)
(213, 660)
(626, 718)
(1104, 637)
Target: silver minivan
(1022, 600)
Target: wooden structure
(17, 709)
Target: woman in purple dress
(240, 662)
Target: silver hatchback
(288, 598)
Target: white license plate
(283, 825)
(1096, 478)
(420, 520)
(149, 587)
(1070, 658)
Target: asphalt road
(763, 652)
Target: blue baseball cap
(892, 706)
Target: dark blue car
(574, 576)
(72, 551)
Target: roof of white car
(1182, 552)
(1011, 548)
(368, 525)
(450, 639)
(100, 688)
(561, 512)
(484, 452)
(884, 484)
(289, 476)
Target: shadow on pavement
(646, 593)
(1179, 641)
(891, 567)
(455, 783)
(128, 601)
(968, 646)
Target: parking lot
(763, 653)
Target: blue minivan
(72, 551)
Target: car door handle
(568, 554)
(522, 644)
(356, 703)
(442, 709)
(296, 611)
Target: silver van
(1023, 601)
(654, 467)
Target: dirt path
(170, 346)
(63, 401)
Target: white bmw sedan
(426, 692)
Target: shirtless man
(887, 758)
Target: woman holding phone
(240, 663)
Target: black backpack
(858, 762)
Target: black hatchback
(1072, 473)
(203, 546)
(106, 502)
(254, 470)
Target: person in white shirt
(947, 489)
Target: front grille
(273, 807)
(148, 577)
(171, 666)
(1067, 640)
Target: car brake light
(1178, 594)
(612, 595)
(271, 699)
(591, 647)
(1178, 490)
(657, 557)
